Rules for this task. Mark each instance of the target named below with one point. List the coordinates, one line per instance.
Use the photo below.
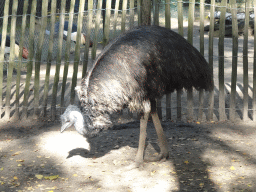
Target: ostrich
(132, 71)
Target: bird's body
(136, 68)
(65, 32)
(16, 47)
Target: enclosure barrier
(43, 85)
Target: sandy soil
(203, 157)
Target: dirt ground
(35, 156)
(210, 156)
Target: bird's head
(73, 116)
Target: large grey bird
(133, 71)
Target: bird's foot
(159, 157)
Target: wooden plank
(49, 58)
(156, 10)
(190, 40)
(16, 115)
(3, 41)
(168, 107)
(67, 54)
(159, 108)
(131, 14)
(211, 94)
(58, 62)
(167, 14)
(123, 21)
(180, 29)
(107, 23)
(254, 70)
(146, 12)
(30, 58)
(139, 10)
(201, 92)
(221, 61)
(245, 62)
(77, 51)
(11, 60)
(180, 17)
(88, 35)
(202, 27)
(38, 59)
(96, 30)
(234, 60)
(115, 16)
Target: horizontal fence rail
(42, 85)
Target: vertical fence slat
(168, 26)
(180, 17)
(11, 59)
(115, 16)
(49, 58)
(234, 61)
(38, 58)
(146, 12)
(77, 51)
(107, 23)
(58, 63)
(156, 11)
(123, 21)
(139, 10)
(131, 14)
(167, 14)
(88, 34)
(30, 58)
(190, 40)
(67, 53)
(245, 61)
(17, 99)
(180, 29)
(96, 30)
(221, 61)
(2, 50)
(254, 70)
(211, 94)
(201, 92)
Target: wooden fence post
(3, 40)
(221, 61)
(146, 12)
(245, 61)
(234, 61)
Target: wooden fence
(43, 85)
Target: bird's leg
(142, 140)
(161, 137)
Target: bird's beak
(64, 126)
(25, 53)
